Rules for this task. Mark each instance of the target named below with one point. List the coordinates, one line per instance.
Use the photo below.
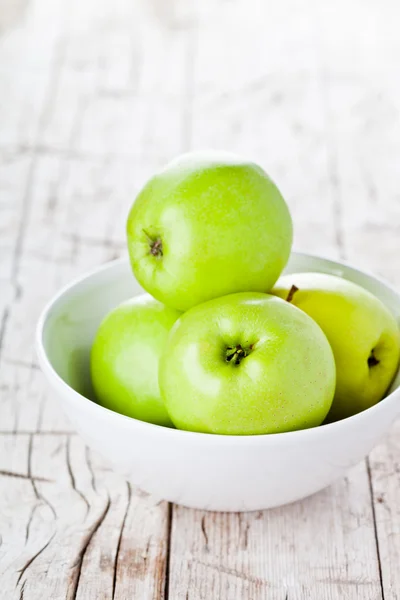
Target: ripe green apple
(207, 225)
(247, 363)
(125, 357)
(362, 332)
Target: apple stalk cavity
(235, 354)
(156, 248)
(155, 244)
(372, 360)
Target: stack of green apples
(219, 344)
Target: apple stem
(291, 293)
(156, 247)
(155, 243)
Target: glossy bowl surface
(211, 472)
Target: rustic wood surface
(96, 94)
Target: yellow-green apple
(246, 363)
(207, 225)
(362, 332)
(125, 356)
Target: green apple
(362, 332)
(125, 357)
(207, 225)
(247, 363)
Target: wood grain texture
(93, 97)
(283, 112)
(385, 479)
(71, 528)
(322, 547)
(362, 100)
(80, 132)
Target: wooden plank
(70, 527)
(258, 94)
(29, 65)
(88, 165)
(319, 548)
(385, 480)
(75, 529)
(16, 499)
(364, 131)
(34, 56)
(263, 93)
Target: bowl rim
(152, 428)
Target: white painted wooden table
(96, 94)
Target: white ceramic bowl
(214, 472)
